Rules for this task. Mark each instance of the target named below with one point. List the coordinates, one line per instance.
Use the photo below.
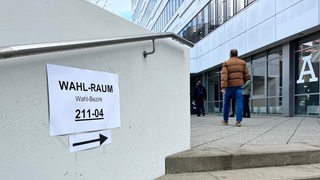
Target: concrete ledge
(244, 157)
(310, 172)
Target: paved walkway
(208, 132)
(266, 139)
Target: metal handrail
(29, 49)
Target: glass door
(258, 102)
(307, 77)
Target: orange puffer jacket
(234, 73)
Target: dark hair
(234, 53)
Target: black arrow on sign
(101, 138)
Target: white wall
(154, 95)
(258, 25)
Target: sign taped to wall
(82, 100)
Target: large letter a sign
(303, 72)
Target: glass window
(258, 106)
(175, 5)
(148, 12)
(240, 5)
(258, 75)
(266, 73)
(200, 26)
(229, 9)
(307, 80)
(215, 96)
(167, 13)
(274, 74)
(274, 81)
(307, 105)
(212, 16)
(275, 105)
(258, 101)
(248, 65)
(199, 19)
(307, 77)
(165, 16)
(206, 20)
(172, 10)
(220, 11)
(250, 1)
(190, 31)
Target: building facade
(279, 40)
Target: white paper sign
(90, 140)
(82, 100)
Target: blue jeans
(233, 92)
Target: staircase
(291, 161)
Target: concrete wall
(154, 95)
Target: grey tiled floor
(208, 132)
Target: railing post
(145, 53)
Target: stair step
(310, 171)
(204, 160)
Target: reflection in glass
(167, 13)
(307, 105)
(214, 96)
(258, 106)
(308, 68)
(147, 13)
(274, 74)
(250, 1)
(220, 11)
(267, 82)
(209, 18)
(240, 5)
(275, 105)
(229, 9)
(307, 78)
(212, 15)
(258, 75)
(206, 20)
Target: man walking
(233, 75)
(199, 96)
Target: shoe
(203, 114)
(238, 124)
(224, 122)
(231, 115)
